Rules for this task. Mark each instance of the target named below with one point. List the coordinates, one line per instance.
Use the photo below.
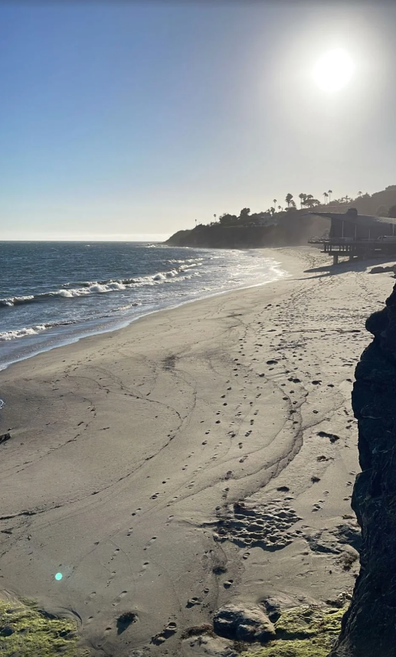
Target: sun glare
(333, 70)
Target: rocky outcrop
(243, 623)
(369, 626)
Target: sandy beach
(203, 455)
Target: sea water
(54, 293)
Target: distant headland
(282, 226)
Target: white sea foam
(12, 301)
(22, 333)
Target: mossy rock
(306, 631)
(25, 631)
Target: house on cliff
(355, 235)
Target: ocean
(54, 293)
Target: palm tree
(302, 198)
(279, 208)
(288, 199)
(360, 194)
(329, 191)
(325, 196)
(275, 201)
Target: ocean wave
(98, 287)
(23, 332)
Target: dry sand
(129, 450)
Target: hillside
(290, 227)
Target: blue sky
(124, 119)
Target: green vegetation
(302, 632)
(25, 631)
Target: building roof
(359, 219)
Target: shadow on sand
(356, 265)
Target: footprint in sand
(90, 597)
(118, 599)
(112, 575)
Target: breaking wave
(103, 287)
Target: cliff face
(369, 626)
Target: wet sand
(202, 455)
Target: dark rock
(272, 608)
(369, 627)
(243, 623)
(6, 630)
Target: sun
(333, 70)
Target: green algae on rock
(306, 631)
(25, 631)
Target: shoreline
(117, 325)
(133, 454)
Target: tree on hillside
(392, 212)
(325, 196)
(310, 201)
(288, 199)
(244, 213)
(360, 194)
(228, 219)
(302, 198)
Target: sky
(128, 120)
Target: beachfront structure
(357, 235)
